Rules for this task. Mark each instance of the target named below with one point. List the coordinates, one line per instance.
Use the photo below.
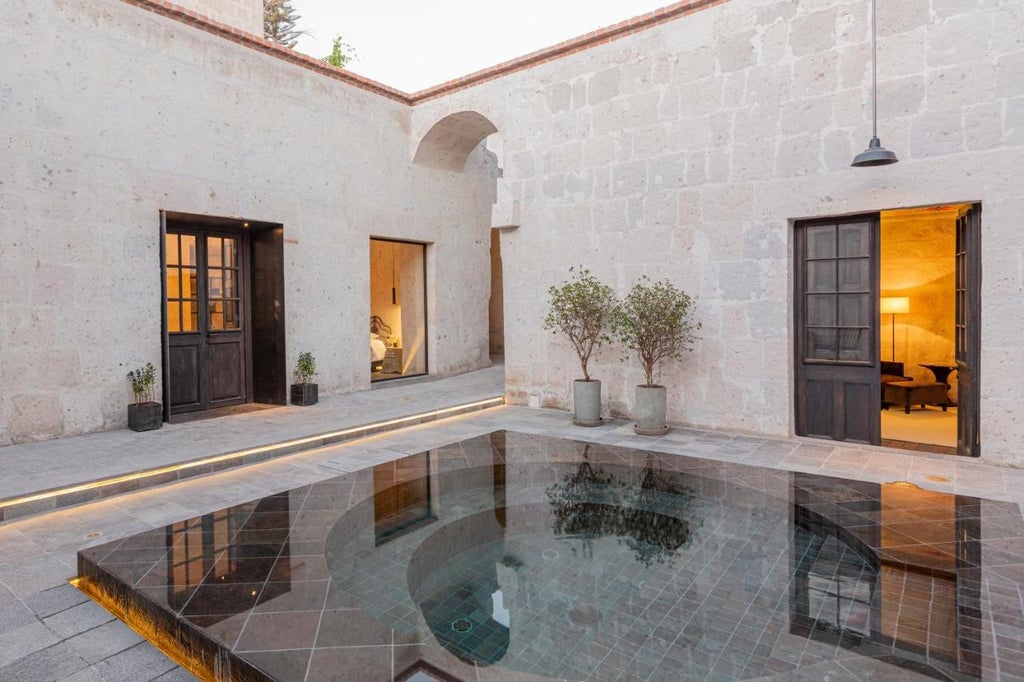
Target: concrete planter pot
(651, 408)
(305, 394)
(586, 403)
(145, 416)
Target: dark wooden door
(836, 317)
(207, 320)
(968, 338)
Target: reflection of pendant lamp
(895, 305)
(875, 154)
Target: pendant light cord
(874, 70)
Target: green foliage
(655, 322)
(341, 55)
(581, 309)
(143, 380)
(305, 368)
(279, 19)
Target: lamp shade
(892, 305)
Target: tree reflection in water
(590, 503)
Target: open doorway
(887, 310)
(398, 309)
(918, 327)
(496, 304)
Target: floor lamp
(895, 305)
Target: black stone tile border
(48, 500)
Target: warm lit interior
(398, 321)
(917, 307)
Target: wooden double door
(837, 335)
(207, 318)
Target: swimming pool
(512, 556)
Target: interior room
(398, 319)
(917, 307)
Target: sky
(411, 45)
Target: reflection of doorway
(398, 309)
(223, 313)
(886, 315)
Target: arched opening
(449, 142)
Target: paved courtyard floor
(49, 630)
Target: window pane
(821, 344)
(188, 283)
(173, 283)
(231, 315)
(216, 315)
(821, 310)
(853, 344)
(216, 284)
(171, 248)
(821, 276)
(853, 240)
(230, 252)
(853, 310)
(854, 274)
(213, 251)
(173, 316)
(190, 315)
(821, 241)
(188, 250)
(229, 284)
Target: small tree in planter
(145, 414)
(580, 309)
(655, 322)
(304, 391)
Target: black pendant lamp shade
(875, 154)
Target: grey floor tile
(141, 662)
(25, 640)
(104, 641)
(54, 600)
(52, 663)
(77, 619)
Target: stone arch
(450, 141)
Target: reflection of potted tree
(655, 322)
(304, 391)
(580, 310)
(651, 535)
(145, 414)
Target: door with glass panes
(206, 318)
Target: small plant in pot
(304, 391)
(655, 322)
(145, 414)
(580, 309)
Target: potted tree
(304, 391)
(655, 322)
(145, 414)
(580, 310)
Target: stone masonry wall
(244, 14)
(157, 115)
(687, 151)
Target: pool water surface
(519, 557)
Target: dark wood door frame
(256, 240)
(838, 398)
(968, 330)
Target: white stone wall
(244, 14)
(111, 114)
(687, 151)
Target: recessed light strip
(286, 447)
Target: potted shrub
(655, 322)
(145, 414)
(304, 391)
(580, 309)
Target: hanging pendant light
(875, 154)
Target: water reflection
(890, 566)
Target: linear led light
(102, 483)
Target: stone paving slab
(37, 467)
(38, 554)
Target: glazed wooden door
(207, 321)
(968, 337)
(836, 318)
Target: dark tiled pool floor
(514, 556)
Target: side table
(392, 361)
